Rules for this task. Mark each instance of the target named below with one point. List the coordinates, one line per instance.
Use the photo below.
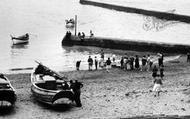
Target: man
(132, 62)
(108, 64)
(77, 92)
(90, 63)
(144, 61)
(78, 65)
(102, 54)
(96, 63)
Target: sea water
(44, 20)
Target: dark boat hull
(50, 96)
(8, 95)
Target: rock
(183, 109)
(127, 94)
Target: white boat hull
(17, 41)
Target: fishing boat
(70, 23)
(7, 92)
(21, 39)
(47, 86)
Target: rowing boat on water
(7, 92)
(21, 39)
(49, 88)
(70, 23)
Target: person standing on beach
(148, 62)
(78, 64)
(131, 62)
(144, 61)
(90, 63)
(113, 64)
(154, 72)
(102, 54)
(125, 61)
(122, 62)
(137, 62)
(162, 71)
(160, 59)
(96, 63)
(188, 57)
(101, 63)
(77, 92)
(157, 86)
(108, 64)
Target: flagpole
(75, 25)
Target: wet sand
(117, 94)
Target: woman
(157, 86)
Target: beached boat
(70, 23)
(21, 39)
(7, 92)
(47, 87)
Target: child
(157, 86)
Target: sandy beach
(117, 94)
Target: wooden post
(75, 25)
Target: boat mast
(75, 25)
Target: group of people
(81, 35)
(101, 63)
(132, 63)
(76, 88)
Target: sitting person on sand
(157, 86)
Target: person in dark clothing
(144, 62)
(137, 62)
(79, 35)
(83, 35)
(78, 65)
(122, 62)
(90, 63)
(154, 71)
(160, 59)
(96, 63)
(77, 92)
(102, 54)
(132, 63)
(108, 64)
(188, 57)
(68, 35)
(162, 71)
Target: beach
(117, 94)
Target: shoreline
(118, 94)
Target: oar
(58, 75)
